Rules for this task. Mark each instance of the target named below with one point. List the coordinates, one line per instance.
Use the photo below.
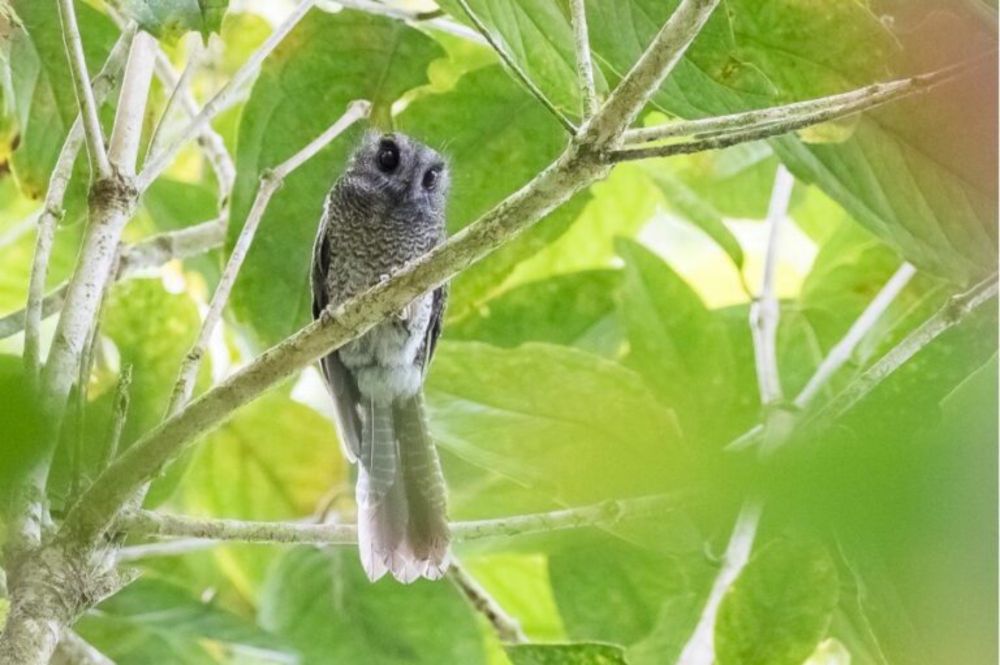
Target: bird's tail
(402, 520)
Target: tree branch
(700, 648)
(604, 514)
(726, 131)
(74, 650)
(507, 628)
(515, 68)
(52, 209)
(841, 352)
(764, 316)
(765, 311)
(159, 162)
(584, 65)
(821, 109)
(270, 182)
(177, 90)
(953, 313)
(151, 252)
(99, 163)
(646, 76)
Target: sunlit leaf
(566, 654)
(171, 18)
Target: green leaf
(327, 61)
(566, 654)
(472, 125)
(173, 612)
(779, 608)
(700, 213)
(674, 342)
(576, 309)
(321, 601)
(621, 206)
(169, 19)
(538, 36)
(44, 99)
(567, 424)
(238, 471)
(21, 426)
(613, 591)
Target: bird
(385, 209)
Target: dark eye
(387, 157)
(430, 178)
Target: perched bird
(387, 208)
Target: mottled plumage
(386, 209)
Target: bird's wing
(426, 352)
(343, 388)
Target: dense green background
(604, 354)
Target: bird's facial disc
(406, 170)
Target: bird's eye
(387, 158)
(430, 178)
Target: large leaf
(321, 602)
(172, 18)
(472, 125)
(674, 341)
(44, 98)
(609, 590)
(581, 653)
(324, 63)
(562, 422)
(167, 619)
(779, 608)
(576, 309)
(538, 36)
(276, 459)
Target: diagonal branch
(584, 64)
(648, 73)
(507, 628)
(515, 68)
(84, 94)
(764, 315)
(52, 208)
(820, 109)
(433, 19)
(270, 182)
(151, 252)
(726, 131)
(160, 161)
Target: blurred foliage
(604, 354)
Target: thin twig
(152, 252)
(764, 314)
(52, 210)
(160, 161)
(507, 628)
(177, 91)
(765, 311)
(270, 182)
(84, 94)
(820, 109)
(844, 349)
(605, 514)
(700, 647)
(119, 414)
(718, 133)
(648, 73)
(953, 313)
(515, 68)
(841, 352)
(584, 64)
